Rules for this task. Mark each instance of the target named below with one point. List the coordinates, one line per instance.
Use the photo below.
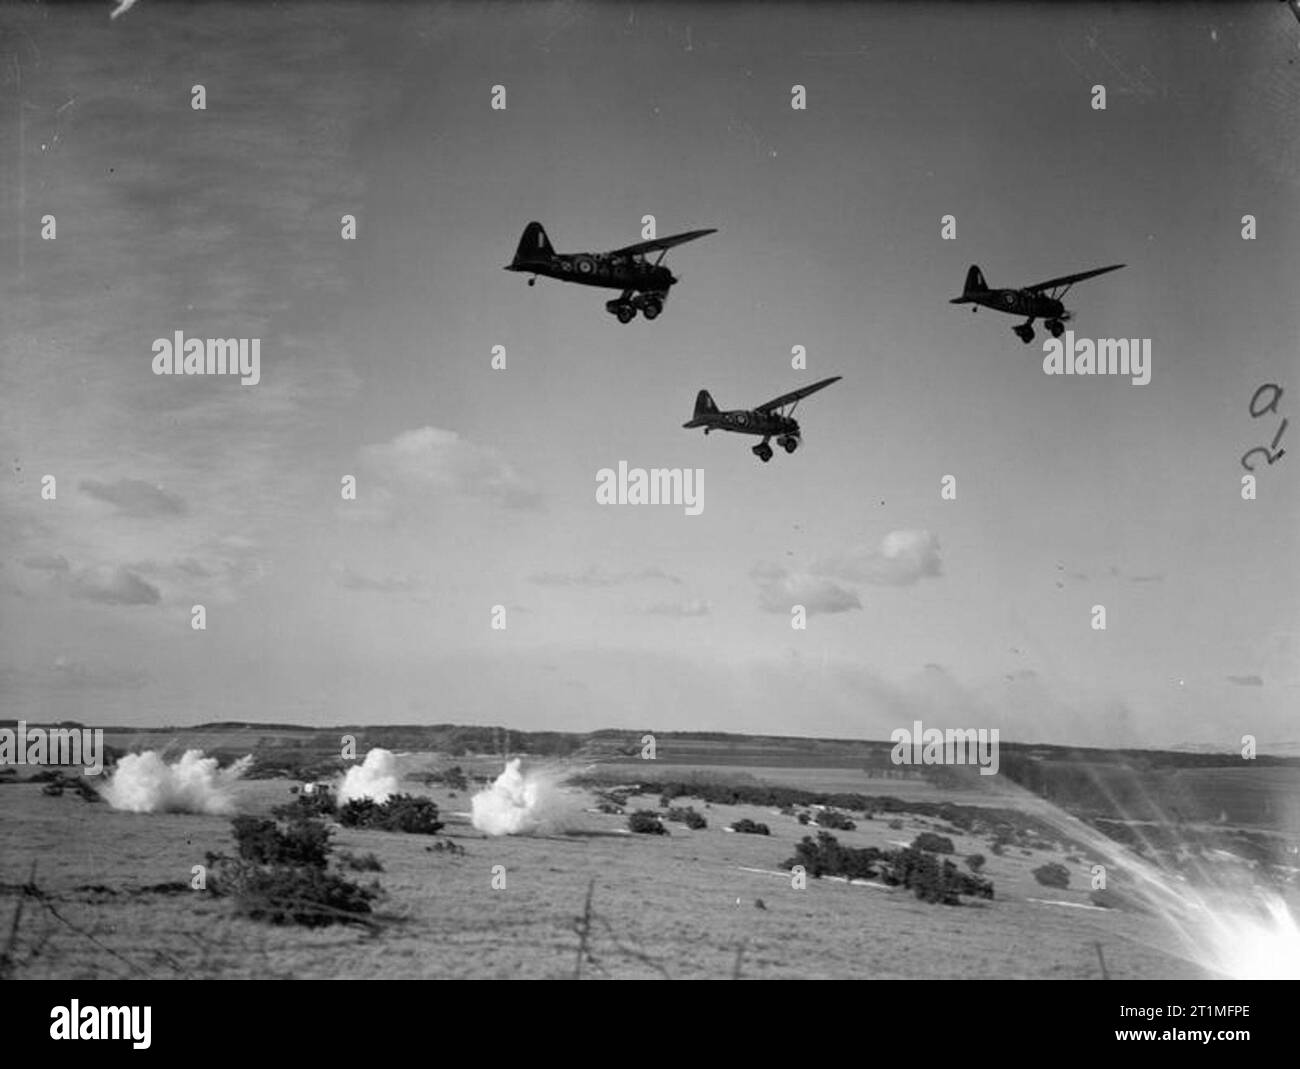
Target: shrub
(284, 894)
(824, 856)
(1052, 875)
(688, 816)
(302, 842)
(803, 818)
(917, 870)
(933, 844)
(320, 803)
(280, 875)
(895, 825)
(834, 819)
(401, 812)
(646, 822)
(750, 827)
(975, 862)
(453, 777)
(445, 846)
(360, 862)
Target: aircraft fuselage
(1025, 303)
(608, 270)
(746, 421)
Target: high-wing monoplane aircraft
(766, 420)
(1041, 300)
(644, 284)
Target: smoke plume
(146, 783)
(376, 777)
(519, 803)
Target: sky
(475, 487)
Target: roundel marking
(585, 266)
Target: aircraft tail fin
(704, 409)
(534, 246)
(975, 286)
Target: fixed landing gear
(1056, 327)
(1025, 331)
(763, 451)
(626, 306)
(623, 307)
(788, 442)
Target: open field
(683, 905)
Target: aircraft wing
(1066, 280)
(662, 243)
(797, 395)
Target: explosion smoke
(1234, 928)
(146, 783)
(518, 803)
(376, 777)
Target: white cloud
(430, 458)
(901, 559)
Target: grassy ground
(681, 905)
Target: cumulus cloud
(598, 577)
(442, 460)
(780, 589)
(114, 586)
(135, 497)
(901, 559)
(825, 584)
(695, 607)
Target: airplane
(1043, 299)
(645, 285)
(767, 420)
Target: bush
(750, 827)
(975, 862)
(919, 871)
(401, 812)
(895, 825)
(454, 778)
(835, 820)
(688, 816)
(803, 818)
(280, 875)
(1052, 875)
(284, 894)
(646, 822)
(302, 842)
(320, 803)
(824, 856)
(933, 844)
(360, 862)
